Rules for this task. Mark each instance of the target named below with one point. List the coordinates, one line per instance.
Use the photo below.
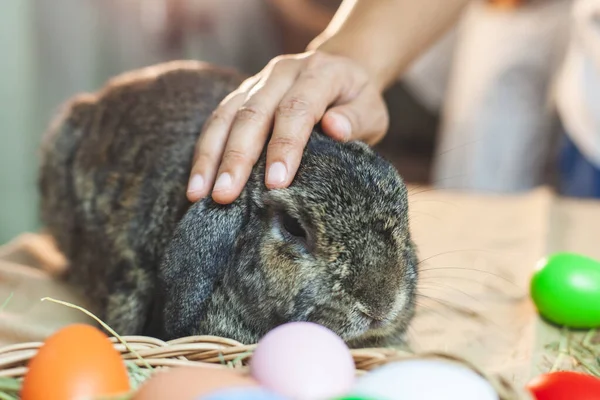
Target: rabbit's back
(113, 177)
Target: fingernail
(223, 182)
(277, 173)
(196, 184)
(342, 124)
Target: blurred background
(474, 113)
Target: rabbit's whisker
(460, 146)
(439, 286)
(428, 188)
(460, 251)
(453, 306)
(486, 285)
(411, 202)
(430, 309)
(470, 270)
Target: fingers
(210, 146)
(365, 118)
(291, 95)
(297, 113)
(249, 132)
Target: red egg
(565, 385)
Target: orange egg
(76, 362)
(506, 3)
(188, 383)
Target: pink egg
(303, 361)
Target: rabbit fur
(333, 248)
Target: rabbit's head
(333, 248)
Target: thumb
(365, 118)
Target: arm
(338, 81)
(385, 36)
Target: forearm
(385, 36)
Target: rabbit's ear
(199, 252)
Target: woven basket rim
(218, 352)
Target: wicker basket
(217, 352)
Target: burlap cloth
(477, 255)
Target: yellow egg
(189, 383)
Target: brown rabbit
(334, 248)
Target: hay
(575, 351)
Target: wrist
(380, 72)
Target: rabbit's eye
(292, 226)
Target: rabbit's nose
(378, 315)
(376, 324)
(375, 299)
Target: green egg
(566, 290)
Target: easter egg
(565, 385)
(421, 379)
(76, 362)
(189, 383)
(254, 393)
(507, 4)
(303, 360)
(566, 290)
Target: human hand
(290, 95)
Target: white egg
(424, 380)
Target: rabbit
(334, 248)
